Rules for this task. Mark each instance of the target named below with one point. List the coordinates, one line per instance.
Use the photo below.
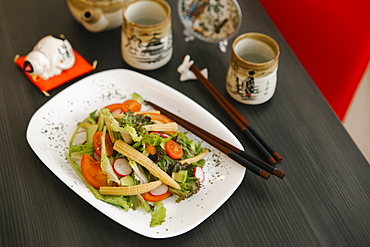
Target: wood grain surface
(323, 200)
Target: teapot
(97, 15)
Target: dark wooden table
(323, 200)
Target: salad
(135, 159)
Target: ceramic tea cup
(146, 40)
(252, 73)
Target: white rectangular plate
(51, 128)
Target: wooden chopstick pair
(258, 142)
(255, 165)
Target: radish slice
(198, 173)
(80, 137)
(163, 188)
(160, 134)
(121, 167)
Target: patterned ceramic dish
(212, 21)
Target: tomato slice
(161, 118)
(152, 149)
(158, 117)
(151, 198)
(97, 143)
(116, 109)
(173, 149)
(92, 172)
(131, 105)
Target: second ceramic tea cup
(146, 42)
(252, 74)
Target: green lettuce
(86, 148)
(158, 214)
(132, 131)
(115, 125)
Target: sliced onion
(198, 173)
(140, 174)
(118, 113)
(121, 167)
(96, 156)
(163, 188)
(80, 137)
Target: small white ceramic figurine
(186, 73)
(49, 58)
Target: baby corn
(162, 127)
(130, 190)
(132, 153)
(194, 158)
(146, 112)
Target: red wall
(332, 41)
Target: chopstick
(258, 142)
(255, 165)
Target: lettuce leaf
(86, 148)
(132, 131)
(120, 201)
(115, 125)
(158, 214)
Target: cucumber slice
(137, 97)
(180, 176)
(127, 181)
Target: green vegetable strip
(104, 161)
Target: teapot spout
(94, 20)
(92, 15)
